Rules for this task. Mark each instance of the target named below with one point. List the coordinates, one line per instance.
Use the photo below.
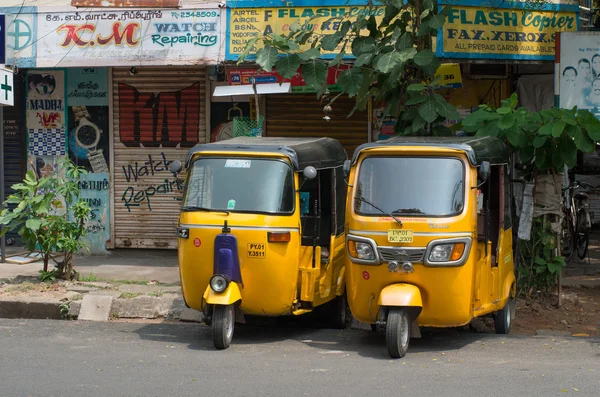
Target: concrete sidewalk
(131, 265)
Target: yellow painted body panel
(228, 297)
(272, 284)
(400, 295)
(449, 295)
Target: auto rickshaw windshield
(411, 186)
(240, 185)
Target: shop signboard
(250, 19)
(20, 36)
(2, 41)
(245, 76)
(128, 37)
(577, 79)
(495, 29)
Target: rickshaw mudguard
(228, 297)
(405, 295)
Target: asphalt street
(76, 358)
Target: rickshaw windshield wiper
(196, 208)
(413, 211)
(364, 200)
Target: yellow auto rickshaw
(429, 239)
(261, 230)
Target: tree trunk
(46, 258)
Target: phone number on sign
(194, 14)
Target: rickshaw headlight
(449, 252)
(219, 283)
(441, 253)
(365, 251)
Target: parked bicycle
(577, 222)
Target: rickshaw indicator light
(219, 283)
(352, 249)
(278, 237)
(457, 251)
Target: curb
(32, 309)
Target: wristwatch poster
(87, 135)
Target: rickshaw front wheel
(339, 312)
(397, 332)
(503, 318)
(223, 321)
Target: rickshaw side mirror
(310, 172)
(347, 165)
(484, 171)
(175, 167)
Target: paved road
(59, 358)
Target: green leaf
(442, 130)
(558, 161)
(515, 137)
(404, 42)
(362, 45)
(310, 54)
(247, 49)
(568, 153)
(266, 57)
(363, 59)
(416, 87)
(314, 74)
(546, 129)
(388, 61)
(427, 111)
(418, 124)
(331, 41)
(506, 121)
(350, 80)
(428, 5)
(540, 157)
(424, 57)
(338, 58)
(444, 109)
(539, 141)
(288, 66)
(408, 54)
(554, 267)
(504, 110)
(424, 14)
(417, 99)
(583, 142)
(33, 224)
(436, 21)
(557, 128)
(526, 154)
(295, 27)
(489, 129)
(410, 114)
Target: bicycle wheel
(583, 235)
(567, 239)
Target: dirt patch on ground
(578, 315)
(34, 290)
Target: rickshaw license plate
(400, 236)
(256, 250)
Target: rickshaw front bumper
(402, 295)
(229, 296)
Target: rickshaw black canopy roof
(478, 149)
(303, 152)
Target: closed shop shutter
(14, 142)
(301, 115)
(158, 113)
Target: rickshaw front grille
(414, 255)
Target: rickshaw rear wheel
(223, 322)
(339, 312)
(503, 318)
(397, 332)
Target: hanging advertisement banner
(494, 29)
(578, 71)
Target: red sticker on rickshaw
(197, 242)
(366, 275)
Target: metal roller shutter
(301, 115)
(158, 113)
